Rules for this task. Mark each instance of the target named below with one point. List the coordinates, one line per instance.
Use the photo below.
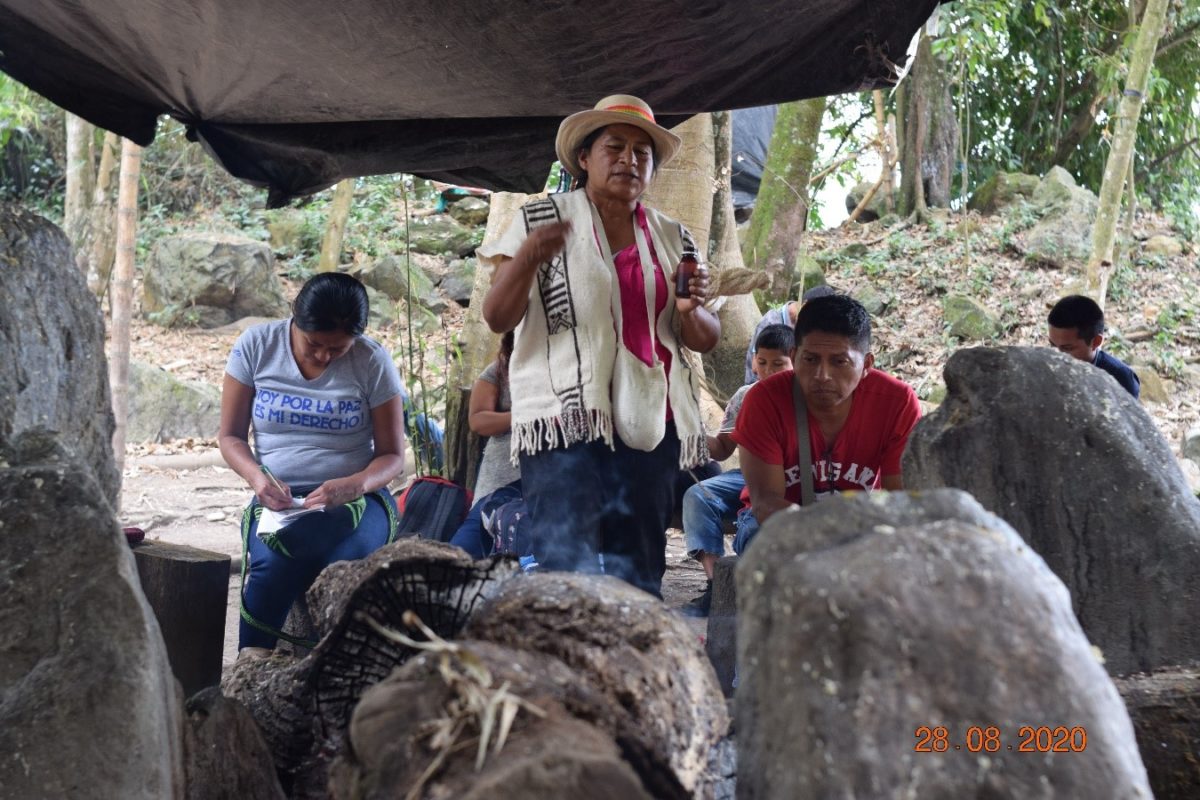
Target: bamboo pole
(122, 294)
(1100, 263)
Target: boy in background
(1077, 329)
(708, 504)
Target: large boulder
(88, 704)
(1068, 458)
(209, 280)
(392, 276)
(55, 374)
(162, 407)
(911, 645)
(1002, 190)
(1063, 235)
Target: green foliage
(1028, 71)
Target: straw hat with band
(616, 109)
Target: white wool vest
(565, 352)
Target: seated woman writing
(325, 405)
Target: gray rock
(1191, 444)
(809, 274)
(443, 234)
(720, 641)
(55, 374)
(209, 280)
(875, 209)
(1001, 190)
(471, 211)
(382, 313)
(88, 705)
(290, 232)
(392, 275)
(459, 280)
(1163, 245)
(162, 407)
(1153, 388)
(1063, 235)
(869, 617)
(966, 318)
(872, 300)
(854, 251)
(1070, 460)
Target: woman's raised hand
(544, 243)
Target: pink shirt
(635, 327)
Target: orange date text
(990, 739)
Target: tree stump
(188, 589)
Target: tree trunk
(1125, 132)
(684, 188)
(103, 226)
(335, 230)
(930, 145)
(80, 185)
(781, 211)
(724, 365)
(122, 296)
(477, 347)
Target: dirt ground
(192, 498)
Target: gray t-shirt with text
(311, 431)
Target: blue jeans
(274, 577)
(471, 535)
(747, 529)
(596, 509)
(706, 506)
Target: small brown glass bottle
(683, 275)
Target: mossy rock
(1001, 190)
(809, 274)
(874, 301)
(967, 319)
(854, 251)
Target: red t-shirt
(883, 412)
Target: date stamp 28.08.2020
(990, 739)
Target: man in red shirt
(859, 418)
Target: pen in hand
(285, 495)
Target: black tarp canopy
(297, 94)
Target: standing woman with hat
(605, 409)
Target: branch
(1180, 36)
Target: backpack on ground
(433, 508)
